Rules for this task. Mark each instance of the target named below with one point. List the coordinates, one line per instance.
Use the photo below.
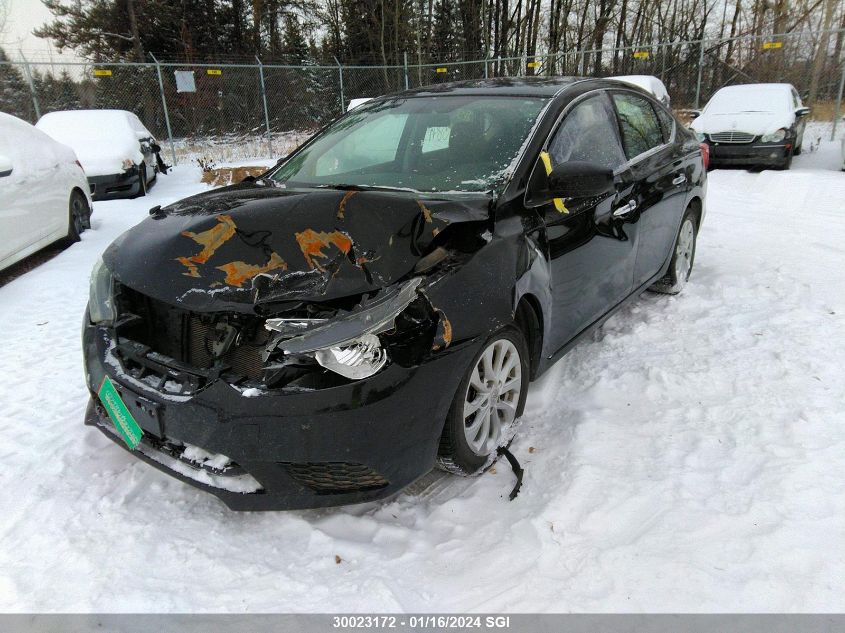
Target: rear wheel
(683, 257)
(79, 217)
(487, 405)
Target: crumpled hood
(250, 245)
(757, 123)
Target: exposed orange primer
(425, 211)
(313, 242)
(443, 336)
(210, 240)
(341, 208)
(239, 272)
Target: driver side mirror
(577, 179)
(6, 166)
(694, 114)
(803, 111)
(572, 179)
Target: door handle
(679, 180)
(625, 209)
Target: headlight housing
(128, 164)
(775, 137)
(101, 296)
(348, 344)
(701, 136)
(356, 359)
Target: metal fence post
(700, 69)
(32, 86)
(405, 56)
(838, 110)
(266, 111)
(486, 72)
(166, 114)
(340, 78)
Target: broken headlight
(101, 300)
(356, 359)
(347, 344)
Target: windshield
(754, 100)
(449, 143)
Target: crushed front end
(288, 403)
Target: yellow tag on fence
(533, 64)
(442, 70)
(102, 72)
(641, 54)
(770, 45)
(214, 71)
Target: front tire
(683, 257)
(142, 181)
(487, 405)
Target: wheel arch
(74, 190)
(696, 204)
(528, 316)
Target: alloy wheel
(684, 251)
(492, 396)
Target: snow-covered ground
(690, 457)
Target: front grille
(732, 137)
(328, 478)
(243, 357)
(191, 338)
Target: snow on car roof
(87, 124)
(649, 83)
(750, 98)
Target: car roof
(507, 86)
(748, 87)
(544, 87)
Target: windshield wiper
(351, 187)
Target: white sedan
(753, 124)
(44, 195)
(119, 154)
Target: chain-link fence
(226, 112)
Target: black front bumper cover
(357, 442)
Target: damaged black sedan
(378, 303)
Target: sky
(22, 16)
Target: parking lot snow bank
(689, 457)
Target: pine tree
(15, 97)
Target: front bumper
(352, 443)
(768, 154)
(112, 186)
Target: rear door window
(641, 130)
(588, 133)
(667, 123)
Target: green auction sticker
(119, 414)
